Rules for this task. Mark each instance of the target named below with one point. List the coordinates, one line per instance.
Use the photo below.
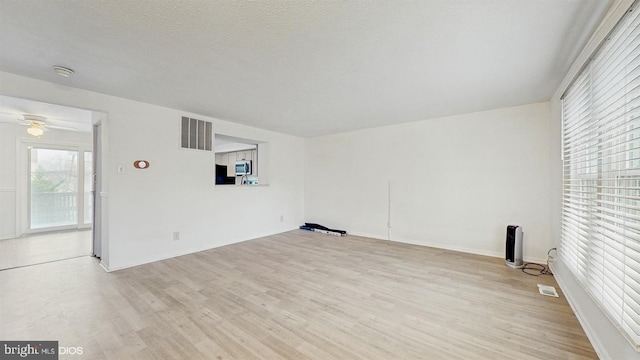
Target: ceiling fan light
(35, 130)
(34, 118)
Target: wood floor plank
(296, 295)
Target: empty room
(446, 179)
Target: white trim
(104, 267)
(447, 247)
(153, 259)
(368, 235)
(606, 339)
(610, 20)
(188, 251)
(237, 186)
(51, 229)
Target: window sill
(221, 186)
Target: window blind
(600, 239)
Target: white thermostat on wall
(141, 164)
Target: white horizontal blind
(601, 177)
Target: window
(60, 185)
(600, 241)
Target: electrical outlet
(176, 235)
(281, 218)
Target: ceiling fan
(37, 124)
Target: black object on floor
(320, 227)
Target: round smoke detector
(63, 71)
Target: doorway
(51, 195)
(57, 201)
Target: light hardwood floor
(44, 247)
(297, 295)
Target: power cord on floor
(539, 269)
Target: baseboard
(169, 256)
(153, 259)
(607, 340)
(7, 237)
(452, 248)
(367, 235)
(104, 267)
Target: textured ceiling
(12, 111)
(300, 67)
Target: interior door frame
(99, 146)
(96, 193)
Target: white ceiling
(12, 111)
(224, 143)
(300, 67)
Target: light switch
(120, 169)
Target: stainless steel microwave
(243, 167)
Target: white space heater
(513, 256)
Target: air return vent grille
(547, 290)
(195, 134)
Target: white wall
(12, 193)
(456, 182)
(177, 192)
